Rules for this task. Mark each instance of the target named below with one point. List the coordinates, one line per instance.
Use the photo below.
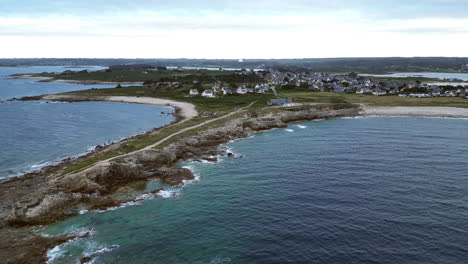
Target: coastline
(416, 111)
(187, 110)
(53, 195)
(182, 112)
(51, 79)
(94, 186)
(32, 247)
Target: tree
(353, 75)
(304, 85)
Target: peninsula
(211, 108)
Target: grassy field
(186, 76)
(219, 104)
(228, 103)
(225, 104)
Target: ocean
(349, 190)
(35, 134)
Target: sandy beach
(453, 112)
(188, 110)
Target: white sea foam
(168, 193)
(301, 126)
(352, 117)
(289, 130)
(58, 251)
(94, 250)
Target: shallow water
(365, 190)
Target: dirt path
(105, 163)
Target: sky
(220, 29)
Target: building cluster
(339, 83)
(336, 83)
(218, 89)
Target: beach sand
(188, 110)
(453, 112)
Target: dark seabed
(366, 190)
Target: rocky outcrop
(56, 196)
(93, 187)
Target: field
(229, 103)
(219, 106)
(186, 76)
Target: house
(227, 91)
(242, 90)
(194, 92)
(364, 91)
(379, 92)
(394, 91)
(280, 101)
(208, 93)
(217, 90)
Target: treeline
(369, 65)
(210, 78)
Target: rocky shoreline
(52, 79)
(46, 198)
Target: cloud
(232, 29)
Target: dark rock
(85, 260)
(211, 159)
(174, 176)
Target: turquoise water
(366, 190)
(35, 134)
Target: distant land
(360, 65)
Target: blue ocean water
(365, 190)
(11, 87)
(37, 133)
(34, 134)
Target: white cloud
(207, 34)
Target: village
(335, 83)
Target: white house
(379, 92)
(208, 93)
(227, 91)
(241, 90)
(194, 92)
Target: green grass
(219, 104)
(129, 75)
(391, 100)
(226, 104)
(132, 145)
(186, 76)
